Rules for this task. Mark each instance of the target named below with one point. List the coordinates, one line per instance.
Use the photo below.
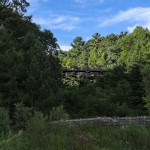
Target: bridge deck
(82, 71)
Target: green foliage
(4, 121)
(42, 134)
(21, 115)
(134, 47)
(136, 135)
(46, 136)
(147, 101)
(146, 80)
(123, 89)
(14, 142)
(30, 71)
(117, 92)
(109, 51)
(58, 114)
(37, 128)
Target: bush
(4, 121)
(44, 135)
(137, 137)
(14, 142)
(58, 113)
(21, 116)
(36, 131)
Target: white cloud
(101, 1)
(59, 19)
(66, 23)
(65, 47)
(138, 16)
(50, 19)
(35, 5)
(131, 28)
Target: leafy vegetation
(123, 90)
(42, 135)
(34, 95)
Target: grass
(84, 137)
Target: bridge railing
(121, 121)
(83, 70)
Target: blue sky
(68, 19)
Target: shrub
(21, 115)
(58, 113)
(4, 121)
(36, 131)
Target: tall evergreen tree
(29, 69)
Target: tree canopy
(29, 67)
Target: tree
(77, 46)
(18, 5)
(10, 65)
(134, 47)
(30, 71)
(49, 41)
(94, 45)
(146, 80)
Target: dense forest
(123, 90)
(33, 88)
